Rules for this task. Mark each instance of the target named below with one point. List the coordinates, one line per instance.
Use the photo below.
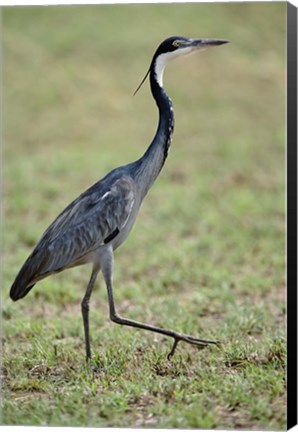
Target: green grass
(206, 256)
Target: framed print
(150, 215)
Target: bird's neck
(154, 158)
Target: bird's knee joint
(116, 318)
(85, 305)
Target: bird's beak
(200, 44)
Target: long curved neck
(154, 158)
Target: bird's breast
(124, 232)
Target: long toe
(204, 342)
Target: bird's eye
(176, 43)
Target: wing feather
(92, 220)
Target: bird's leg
(201, 343)
(85, 311)
(107, 270)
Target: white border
(94, 2)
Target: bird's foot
(201, 343)
(94, 366)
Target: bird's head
(174, 47)
(177, 46)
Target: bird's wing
(92, 220)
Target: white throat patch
(163, 59)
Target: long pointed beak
(207, 43)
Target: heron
(96, 223)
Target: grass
(206, 256)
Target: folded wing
(94, 219)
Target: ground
(206, 255)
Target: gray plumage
(92, 221)
(100, 219)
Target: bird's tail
(24, 281)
